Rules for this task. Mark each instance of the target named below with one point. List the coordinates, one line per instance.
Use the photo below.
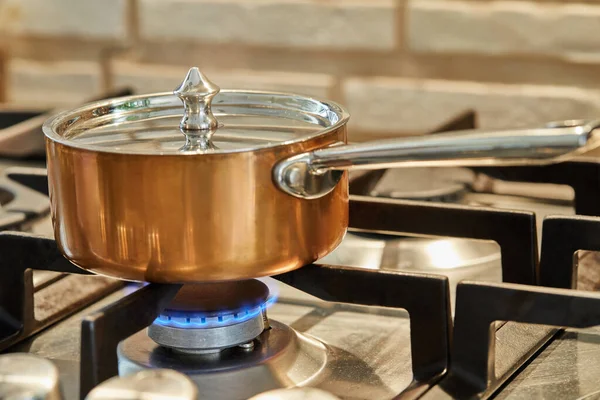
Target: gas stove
(439, 290)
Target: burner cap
(425, 184)
(210, 317)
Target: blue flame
(194, 320)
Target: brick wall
(400, 66)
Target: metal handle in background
(314, 174)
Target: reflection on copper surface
(189, 218)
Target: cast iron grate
(476, 369)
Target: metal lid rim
(50, 126)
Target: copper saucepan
(249, 184)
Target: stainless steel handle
(314, 174)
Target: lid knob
(197, 92)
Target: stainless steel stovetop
(371, 360)
(384, 316)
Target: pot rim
(108, 110)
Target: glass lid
(196, 118)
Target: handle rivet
(294, 177)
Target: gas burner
(389, 252)
(219, 336)
(425, 184)
(281, 357)
(210, 317)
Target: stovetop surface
(567, 368)
(372, 345)
(371, 339)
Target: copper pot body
(189, 218)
